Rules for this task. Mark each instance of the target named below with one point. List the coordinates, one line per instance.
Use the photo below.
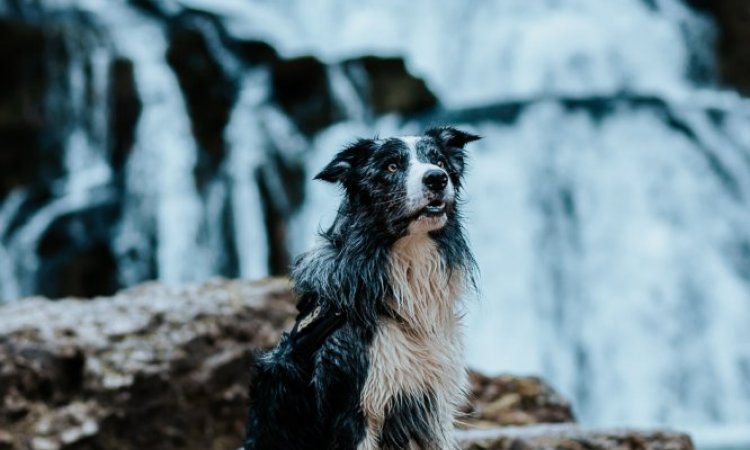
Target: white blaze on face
(416, 193)
(415, 197)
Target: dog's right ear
(452, 137)
(339, 168)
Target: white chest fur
(422, 350)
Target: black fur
(305, 393)
(409, 420)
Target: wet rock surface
(209, 90)
(28, 140)
(513, 400)
(572, 437)
(388, 86)
(152, 367)
(167, 368)
(300, 87)
(733, 54)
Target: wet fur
(390, 375)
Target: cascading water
(244, 132)
(607, 203)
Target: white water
(612, 250)
(478, 51)
(164, 154)
(633, 300)
(615, 251)
(636, 291)
(244, 134)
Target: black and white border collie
(375, 359)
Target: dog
(375, 358)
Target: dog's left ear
(452, 137)
(338, 170)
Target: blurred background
(608, 205)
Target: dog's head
(408, 185)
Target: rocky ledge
(161, 368)
(571, 437)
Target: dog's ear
(452, 137)
(339, 168)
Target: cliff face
(161, 368)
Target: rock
(78, 264)
(513, 400)
(209, 90)
(29, 136)
(301, 88)
(124, 111)
(733, 21)
(167, 368)
(389, 87)
(255, 52)
(572, 437)
(152, 367)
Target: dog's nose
(435, 180)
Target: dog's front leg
(282, 412)
(340, 372)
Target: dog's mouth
(435, 208)
(430, 217)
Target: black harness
(315, 323)
(313, 326)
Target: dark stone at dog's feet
(513, 400)
(572, 437)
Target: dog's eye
(392, 167)
(440, 163)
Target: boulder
(160, 367)
(152, 367)
(513, 400)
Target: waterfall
(608, 203)
(245, 134)
(613, 248)
(164, 154)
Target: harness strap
(312, 328)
